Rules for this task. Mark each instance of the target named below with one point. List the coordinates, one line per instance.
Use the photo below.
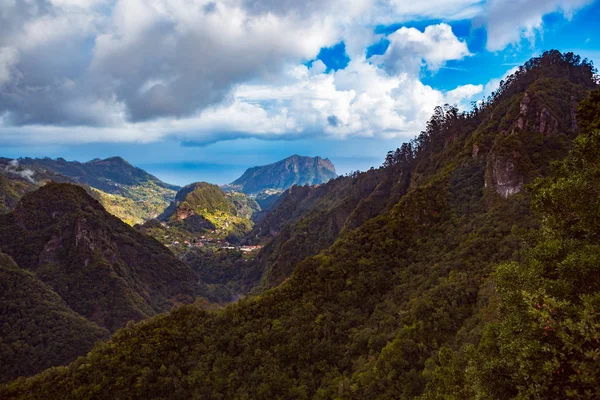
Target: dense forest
(85, 272)
(465, 267)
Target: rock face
(548, 124)
(523, 109)
(543, 121)
(503, 176)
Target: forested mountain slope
(37, 328)
(368, 316)
(87, 269)
(307, 220)
(103, 269)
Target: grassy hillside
(143, 203)
(11, 191)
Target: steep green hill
(205, 227)
(204, 208)
(102, 268)
(375, 314)
(279, 176)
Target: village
(213, 241)
(210, 242)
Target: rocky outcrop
(503, 176)
(523, 109)
(548, 124)
(282, 175)
(543, 121)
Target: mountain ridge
(126, 191)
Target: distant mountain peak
(281, 175)
(113, 160)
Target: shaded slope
(103, 269)
(37, 328)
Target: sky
(194, 90)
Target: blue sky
(202, 91)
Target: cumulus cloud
(510, 21)
(8, 58)
(361, 100)
(81, 71)
(410, 49)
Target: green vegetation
(102, 268)
(543, 340)
(37, 329)
(142, 203)
(203, 210)
(407, 300)
(81, 273)
(11, 191)
(128, 192)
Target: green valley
(466, 266)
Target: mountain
(11, 190)
(16, 180)
(294, 170)
(109, 175)
(126, 191)
(90, 271)
(103, 269)
(409, 301)
(201, 207)
(205, 226)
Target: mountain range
(466, 266)
(126, 191)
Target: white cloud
(510, 21)
(463, 94)
(410, 48)
(359, 101)
(81, 71)
(8, 58)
